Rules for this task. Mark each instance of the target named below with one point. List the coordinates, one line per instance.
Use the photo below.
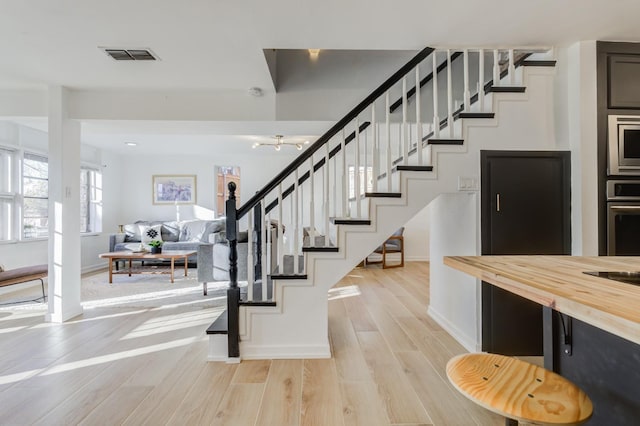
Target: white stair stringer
(297, 327)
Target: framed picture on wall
(174, 189)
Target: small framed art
(174, 189)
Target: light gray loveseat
(207, 237)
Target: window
(352, 184)
(35, 195)
(90, 200)
(7, 194)
(24, 211)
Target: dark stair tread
(349, 221)
(538, 63)
(410, 168)
(445, 141)
(476, 115)
(320, 249)
(220, 325)
(288, 276)
(383, 194)
(257, 303)
(506, 89)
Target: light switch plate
(466, 183)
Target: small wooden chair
(518, 390)
(394, 244)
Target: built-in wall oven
(623, 217)
(624, 145)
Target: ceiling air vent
(130, 54)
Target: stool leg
(510, 422)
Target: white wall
(454, 295)
(577, 75)
(135, 195)
(524, 122)
(416, 237)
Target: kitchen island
(591, 324)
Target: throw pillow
(150, 233)
(1, 268)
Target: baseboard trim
(285, 351)
(416, 259)
(468, 343)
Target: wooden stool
(518, 390)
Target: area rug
(137, 291)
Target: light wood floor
(148, 366)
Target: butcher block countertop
(559, 283)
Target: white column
(64, 209)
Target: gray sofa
(207, 237)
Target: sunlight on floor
(68, 366)
(154, 295)
(174, 322)
(342, 292)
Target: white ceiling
(218, 44)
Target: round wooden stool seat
(519, 390)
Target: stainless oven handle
(625, 208)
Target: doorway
(525, 210)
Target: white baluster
(418, 117)
(481, 80)
(250, 270)
(375, 148)
(496, 67)
(265, 257)
(467, 92)
(296, 225)
(335, 189)
(405, 134)
(345, 178)
(388, 128)
(436, 119)
(449, 95)
(325, 189)
(312, 196)
(366, 161)
(280, 257)
(356, 174)
(512, 68)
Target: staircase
(393, 154)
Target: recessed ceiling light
(130, 144)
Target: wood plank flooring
(148, 366)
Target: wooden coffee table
(131, 256)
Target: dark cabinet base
(605, 366)
(511, 325)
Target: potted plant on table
(156, 246)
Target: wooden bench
(24, 275)
(518, 390)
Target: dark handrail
(298, 161)
(424, 81)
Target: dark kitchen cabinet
(525, 199)
(624, 81)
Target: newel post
(233, 292)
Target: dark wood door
(525, 210)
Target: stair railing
(359, 156)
